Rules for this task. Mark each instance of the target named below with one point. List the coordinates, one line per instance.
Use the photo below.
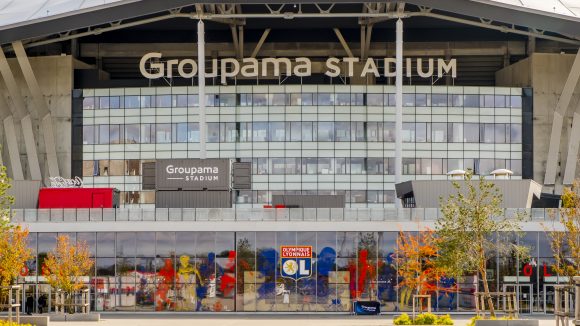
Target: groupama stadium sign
(152, 66)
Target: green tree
(470, 220)
(566, 244)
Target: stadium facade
(243, 157)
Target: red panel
(75, 198)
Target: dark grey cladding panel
(242, 175)
(192, 174)
(25, 193)
(148, 176)
(309, 201)
(193, 199)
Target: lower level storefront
(247, 271)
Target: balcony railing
(250, 214)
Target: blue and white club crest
(296, 261)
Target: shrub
(7, 323)
(403, 319)
(425, 319)
(444, 320)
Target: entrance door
(524, 295)
(44, 301)
(28, 291)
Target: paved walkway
(259, 320)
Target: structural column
(201, 87)
(558, 120)
(399, 105)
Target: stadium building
(249, 156)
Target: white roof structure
(14, 12)
(569, 8)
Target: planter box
(513, 322)
(33, 320)
(75, 317)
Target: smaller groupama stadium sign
(152, 66)
(296, 261)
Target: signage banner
(192, 174)
(367, 308)
(296, 261)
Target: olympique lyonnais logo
(296, 261)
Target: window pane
(227, 99)
(89, 103)
(516, 102)
(408, 132)
(163, 101)
(471, 101)
(132, 102)
(389, 131)
(515, 133)
(103, 134)
(421, 132)
(486, 132)
(259, 100)
(342, 99)
(375, 99)
(500, 133)
(163, 133)
(277, 131)
(439, 99)
(374, 131)
(325, 99)
(439, 132)
(408, 99)
(342, 131)
(421, 100)
(88, 135)
(500, 101)
(213, 132)
(307, 131)
(325, 131)
(260, 131)
(277, 99)
(471, 132)
(132, 134)
(295, 131)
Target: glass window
(104, 102)
(116, 135)
(132, 102)
(357, 99)
(342, 131)
(325, 165)
(439, 132)
(471, 132)
(375, 99)
(192, 100)
(374, 131)
(147, 101)
(516, 167)
(309, 165)
(227, 99)
(421, 100)
(296, 131)
(389, 165)
(193, 132)
(277, 99)
(116, 167)
(325, 99)
(262, 165)
(515, 133)
(325, 131)
(181, 132)
(292, 165)
(357, 165)
(390, 99)
(389, 131)
(515, 102)
(455, 132)
(341, 165)
(375, 165)
(277, 166)
(145, 133)
(213, 132)
(455, 100)
(374, 196)
(358, 131)
(425, 165)
(103, 134)
(145, 244)
(105, 244)
(487, 101)
(487, 131)
(438, 166)
(421, 132)
(211, 100)
(307, 131)
(259, 100)
(471, 101)
(342, 99)
(181, 101)
(245, 131)
(439, 100)
(408, 99)
(358, 196)
(228, 132)
(245, 99)
(486, 165)
(132, 167)
(409, 166)
(408, 132)
(88, 135)
(114, 102)
(163, 133)
(308, 99)
(125, 244)
(89, 103)
(163, 101)
(500, 133)
(260, 131)
(277, 131)
(500, 101)
(132, 134)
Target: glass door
(524, 295)
(29, 299)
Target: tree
(13, 248)
(566, 245)
(416, 256)
(470, 220)
(65, 267)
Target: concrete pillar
(577, 301)
(201, 87)
(399, 105)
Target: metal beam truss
(372, 13)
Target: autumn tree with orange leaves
(65, 267)
(13, 249)
(416, 257)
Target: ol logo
(296, 261)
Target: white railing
(250, 214)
